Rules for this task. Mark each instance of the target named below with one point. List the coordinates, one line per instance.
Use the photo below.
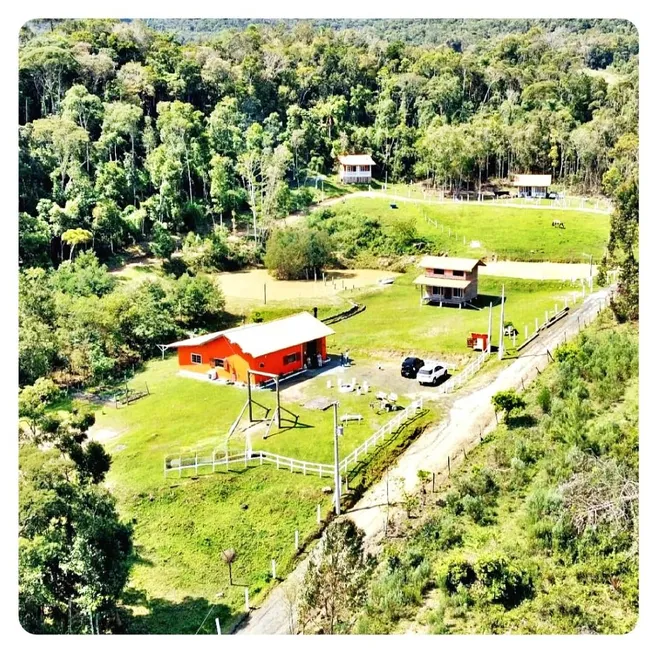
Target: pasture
(183, 524)
(524, 234)
(395, 324)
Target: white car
(431, 373)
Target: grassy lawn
(182, 525)
(508, 233)
(394, 323)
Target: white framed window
(197, 359)
(458, 292)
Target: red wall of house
(238, 361)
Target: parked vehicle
(410, 366)
(431, 373)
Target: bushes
(298, 252)
(492, 578)
(440, 532)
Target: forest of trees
(125, 130)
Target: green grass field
(395, 323)
(182, 525)
(508, 233)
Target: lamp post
(337, 431)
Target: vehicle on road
(410, 367)
(431, 373)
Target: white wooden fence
(391, 426)
(468, 372)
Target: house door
(448, 293)
(311, 352)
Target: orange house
(278, 347)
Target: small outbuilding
(355, 168)
(535, 186)
(279, 347)
(448, 279)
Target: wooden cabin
(278, 347)
(355, 168)
(448, 280)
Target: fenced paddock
(199, 462)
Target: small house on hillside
(448, 280)
(355, 168)
(278, 347)
(532, 185)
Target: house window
(196, 359)
(438, 271)
(218, 362)
(291, 358)
(458, 273)
(458, 292)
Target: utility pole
(336, 457)
(490, 326)
(500, 351)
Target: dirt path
(471, 416)
(540, 271)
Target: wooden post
(196, 462)
(547, 316)
(246, 599)
(526, 332)
(536, 323)
(433, 482)
(278, 405)
(265, 293)
(556, 309)
(449, 467)
(248, 386)
(273, 569)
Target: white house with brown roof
(532, 185)
(448, 280)
(355, 168)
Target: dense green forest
(124, 128)
(129, 136)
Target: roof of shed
(263, 338)
(356, 160)
(450, 263)
(440, 282)
(532, 180)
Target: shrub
(458, 571)
(442, 532)
(506, 581)
(544, 399)
(475, 508)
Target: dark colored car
(410, 366)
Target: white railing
(468, 372)
(173, 463)
(391, 426)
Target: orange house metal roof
(259, 339)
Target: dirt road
(471, 416)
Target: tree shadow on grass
(142, 614)
(520, 421)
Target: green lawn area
(394, 323)
(508, 233)
(182, 525)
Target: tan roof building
(448, 280)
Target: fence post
(218, 625)
(433, 482)
(449, 467)
(196, 463)
(246, 599)
(526, 332)
(536, 323)
(213, 460)
(261, 457)
(319, 513)
(296, 540)
(273, 569)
